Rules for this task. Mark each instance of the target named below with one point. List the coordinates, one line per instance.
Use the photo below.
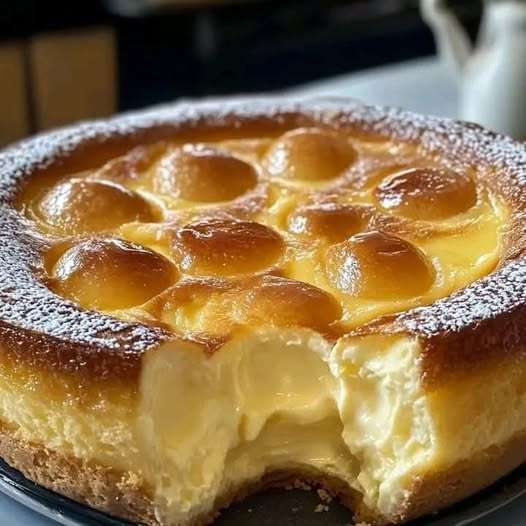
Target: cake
(206, 299)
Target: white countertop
(421, 85)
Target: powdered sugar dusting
(34, 320)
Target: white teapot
(492, 76)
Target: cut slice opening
(277, 401)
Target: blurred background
(61, 61)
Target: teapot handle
(453, 43)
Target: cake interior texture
(275, 260)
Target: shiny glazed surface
(310, 227)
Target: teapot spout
(453, 43)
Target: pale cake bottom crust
(123, 494)
(126, 495)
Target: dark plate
(270, 508)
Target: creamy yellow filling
(278, 400)
(469, 248)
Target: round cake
(206, 299)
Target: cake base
(126, 495)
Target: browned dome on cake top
(427, 193)
(226, 305)
(378, 265)
(111, 274)
(333, 221)
(309, 154)
(82, 206)
(203, 174)
(286, 302)
(226, 247)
